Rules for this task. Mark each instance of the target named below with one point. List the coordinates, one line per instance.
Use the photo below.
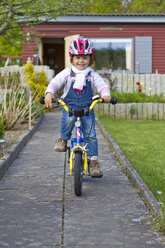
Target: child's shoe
(95, 170)
(61, 144)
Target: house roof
(111, 18)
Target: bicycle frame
(79, 140)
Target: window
(114, 54)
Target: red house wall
(96, 30)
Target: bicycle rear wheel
(78, 174)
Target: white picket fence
(128, 83)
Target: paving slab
(29, 224)
(38, 207)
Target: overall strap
(72, 74)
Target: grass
(143, 143)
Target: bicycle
(77, 151)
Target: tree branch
(6, 25)
(16, 14)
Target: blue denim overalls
(75, 99)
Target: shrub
(137, 97)
(1, 128)
(36, 80)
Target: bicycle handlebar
(95, 101)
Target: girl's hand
(48, 100)
(107, 99)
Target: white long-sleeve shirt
(64, 79)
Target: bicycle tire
(78, 176)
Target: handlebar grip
(42, 100)
(113, 100)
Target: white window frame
(118, 39)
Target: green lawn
(143, 143)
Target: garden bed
(13, 135)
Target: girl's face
(81, 62)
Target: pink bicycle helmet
(81, 46)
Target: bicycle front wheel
(78, 173)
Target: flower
(139, 220)
(159, 203)
(139, 84)
(159, 192)
(150, 89)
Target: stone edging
(133, 110)
(17, 147)
(133, 176)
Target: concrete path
(38, 207)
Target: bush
(137, 97)
(36, 80)
(1, 128)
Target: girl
(79, 83)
